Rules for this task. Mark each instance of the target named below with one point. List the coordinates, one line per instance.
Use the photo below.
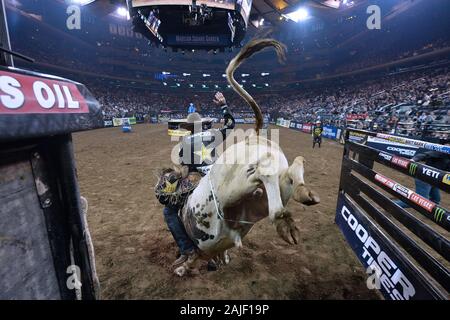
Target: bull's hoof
(315, 199)
(287, 229)
(306, 196)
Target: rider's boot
(182, 258)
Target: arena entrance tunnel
(406, 252)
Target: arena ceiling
(270, 10)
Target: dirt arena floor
(134, 248)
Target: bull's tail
(247, 51)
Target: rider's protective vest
(198, 151)
(317, 131)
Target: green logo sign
(412, 169)
(438, 214)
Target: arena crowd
(408, 101)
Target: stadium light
(348, 3)
(258, 23)
(266, 84)
(245, 75)
(206, 75)
(216, 86)
(254, 85)
(178, 84)
(165, 83)
(122, 11)
(224, 75)
(165, 72)
(265, 74)
(186, 74)
(300, 14)
(191, 86)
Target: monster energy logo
(438, 214)
(412, 169)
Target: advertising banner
(25, 94)
(387, 268)
(330, 132)
(307, 127)
(283, 123)
(392, 147)
(359, 116)
(120, 121)
(108, 123)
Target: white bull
(250, 181)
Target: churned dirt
(134, 249)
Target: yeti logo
(374, 20)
